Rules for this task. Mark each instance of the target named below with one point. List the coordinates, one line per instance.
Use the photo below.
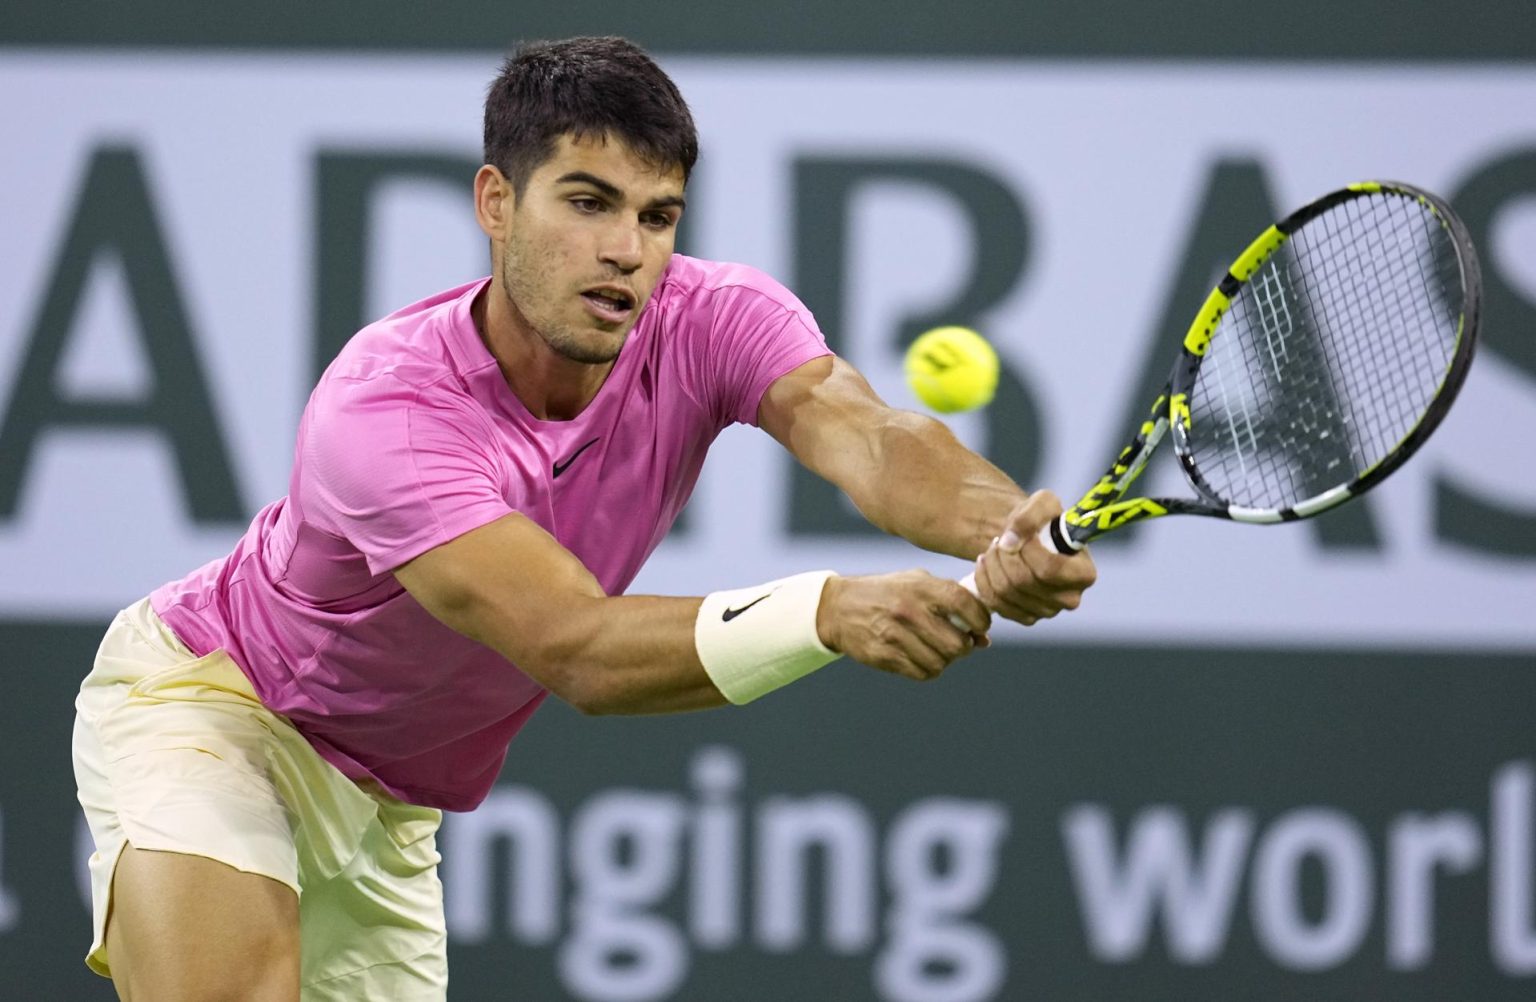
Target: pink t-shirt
(412, 438)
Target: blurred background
(1270, 764)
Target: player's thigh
(188, 927)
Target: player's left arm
(910, 476)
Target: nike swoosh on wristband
(730, 614)
(560, 468)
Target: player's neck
(551, 386)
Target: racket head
(1327, 355)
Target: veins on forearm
(931, 490)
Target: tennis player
(264, 747)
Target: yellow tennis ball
(952, 369)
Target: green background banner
(1271, 802)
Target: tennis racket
(1319, 364)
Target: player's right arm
(512, 587)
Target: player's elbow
(566, 664)
(590, 695)
(563, 667)
(595, 693)
(595, 688)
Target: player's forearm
(923, 485)
(510, 586)
(621, 655)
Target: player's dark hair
(585, 87)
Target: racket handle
(1054, 537)
(969, 584)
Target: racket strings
(1360, 390)
(1329, 355)
(1398, 256)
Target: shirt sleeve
(398, 469)
(760, 331)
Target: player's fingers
(925, 660)
(996, 586)
(1005, 604)
(1064, 573)
(1026, 612)
(959, 607)
(952, 640)
(1026, 520)
(960, 616)
(1044, 594)
(1081, 570)
(1039, 575)
(919, 638)
(957, 622)
(900, 664)
(1012, 588)
(1014, 584)
(902, 623)
(886, 650)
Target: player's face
(586, 243)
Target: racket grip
(1054, 537)
(969, 584)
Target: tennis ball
(952, 369)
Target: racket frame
(1104, 507)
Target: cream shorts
(175, 753)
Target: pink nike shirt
(411, 438)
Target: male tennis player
(264, 747)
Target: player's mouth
(610, 304)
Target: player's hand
(1025, 580)
(901, 622)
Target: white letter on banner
(527, 822)
(1158, 871)
(1509, 870)
(787, 829)
(1418, 845)
(625, 857)
(1337, 842)
(714, 885)
(10, 911)
(931, 956)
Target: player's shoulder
(697, 283)
(412, 348)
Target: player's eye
(586, 204)
(659, 220)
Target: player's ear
(494, 201)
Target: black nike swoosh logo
(730, 614)
(562, 467)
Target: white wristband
(754, 640)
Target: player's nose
(623, 247)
